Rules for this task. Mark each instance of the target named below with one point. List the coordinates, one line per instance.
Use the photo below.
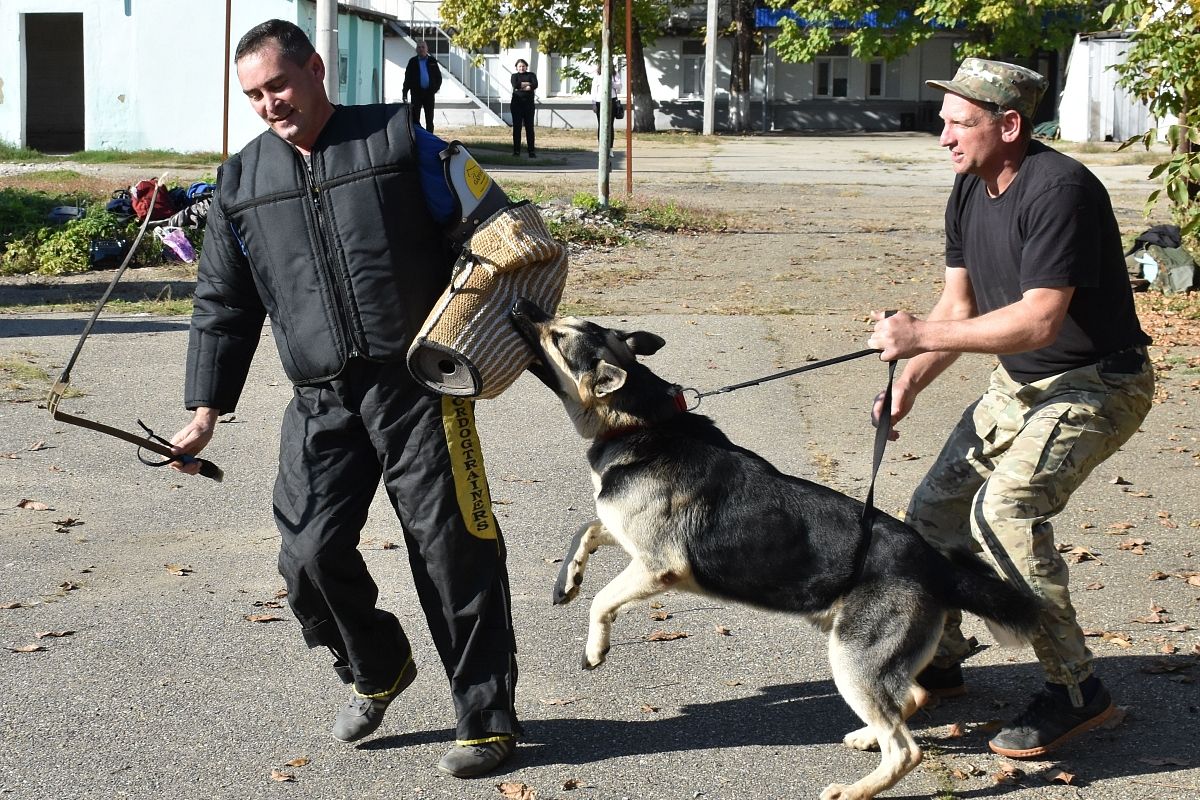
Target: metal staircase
(481, 77)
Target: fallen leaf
(280, 594)
(1120, 526)
(11, 605)
(1161, 666)
(267, 604)
(648, 709)
(1158, 576)
(665, 636)
(571, 784)
(1135, 546)
(54, 634)
(27, 648)
(302, 761)
(69, 522)
(1182, 627)
(68, 586)
(386, 545)
(1091, 587)
(38, 445)
(178, 569)
(280, 776)
(722, 630)
(659, 616)
(1077, 555)
(1119, 481)
(1008, 773)
(1055, 775)
(656, 604)
(1168, 649)
(1153, 618)
(263, 618)
(560, 701)
(955, 731)
(514, 790)
(32, 505)
(1193, 580)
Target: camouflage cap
(1006, 85)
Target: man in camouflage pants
(1035, 275)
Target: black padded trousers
(338, 439)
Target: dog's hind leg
(634, 583)
(877, 641)
(589, 537)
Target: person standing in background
(598, 94)
(422, 79)
(524, 84)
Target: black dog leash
(883, 428)
(151, 441)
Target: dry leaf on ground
(1055, 775)
(280, 776)
(54, 634)
(666, 636)
(263, 618)
(514, 790)
(560, 701)
(27, 648)
(302, 761)
(722, 630)
(178, 569)
(32, 505)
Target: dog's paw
(861, 739)
(563, 595)
(591, 661)
(838, 791)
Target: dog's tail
(1011, 612)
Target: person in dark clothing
(1036, 276)
(303, 229)
(524, 84)
(422, 80)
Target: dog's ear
(608, 379)
(643, 343)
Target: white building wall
(153, 75)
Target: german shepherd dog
(696, 512)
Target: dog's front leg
(586, 541)
(634, 583)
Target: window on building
(691, 68)
(883, 78)
(561, 84)
(343, 67)
(833, 76)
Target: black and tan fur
(696, 512)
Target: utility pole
(710, 70)
(327, 47)
(605, 78)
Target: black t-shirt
(1052, 227)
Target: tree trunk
(642, 113)
(739, 74)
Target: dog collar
(615, 433)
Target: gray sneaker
(363, 715)
(473, 760)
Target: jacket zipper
(332, 266)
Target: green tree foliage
(566, 28)
(1161, 69)
(988, 27)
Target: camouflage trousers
(1009, 466)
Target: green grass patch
(579, 232)
(23, 371)
(10, 152)
(164, 307)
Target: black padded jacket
(342, 255)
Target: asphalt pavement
(156, 680)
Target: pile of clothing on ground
(1158, 260)
(171, 211)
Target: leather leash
(883, 428)
(151, 442)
